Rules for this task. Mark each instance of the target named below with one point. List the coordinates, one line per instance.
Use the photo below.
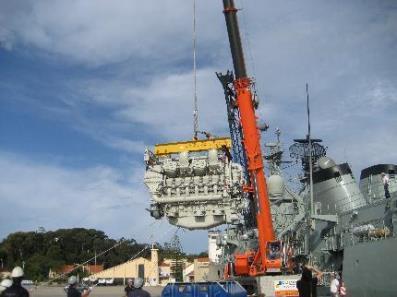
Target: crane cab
(274, 256)
(245, 262)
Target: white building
(139, 267)
(214, 252)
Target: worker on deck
(16, 289)
(138, 291)
(385, 181)
(334, 286)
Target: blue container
(204, 289)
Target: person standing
(5, 283)
(129, 287)
(72, 290)
(334, 286)
(307, 285)
(16, 289)
(138, 291)
(385, 181)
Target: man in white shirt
(334, 286)
(385, 181)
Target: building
(5, 274)
(69, 268)
(201, 269)
(214, 252)
(139, 267)
(164, 273)
(168, 266)
(153, 272)
(188, 273)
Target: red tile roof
(66, 269)
(164, 265)
(94, 268)
(203, 259)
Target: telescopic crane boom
(252, 262)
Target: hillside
(40, 251)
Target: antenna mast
(310, 150)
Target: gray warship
(340, 225)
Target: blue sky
(85, 86)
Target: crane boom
(251, 143)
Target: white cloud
(6, 39)
(345, 54)
(35, 194)
(166, 104)
(101, 32)
(162, 107)
(54, 197)
(126, 145)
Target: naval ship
(352, 225)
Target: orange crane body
(251, 263)
(251, 143)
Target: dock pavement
(114, 291)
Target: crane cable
(248, 48)
(195, 111)
(247, 38)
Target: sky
(85, 86)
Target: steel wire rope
(195, 103)
(246, 38)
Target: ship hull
(370, 268)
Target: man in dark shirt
(138, 291)
(72, 290)
(16, 289)
(129, 287)
(307, 285)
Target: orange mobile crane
(181, 193)
(242, 105)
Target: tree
(177, 262)
(43, 250)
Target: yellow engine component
(191, 146)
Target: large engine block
(194, 189)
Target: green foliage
(175, 247)
(40, 251)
